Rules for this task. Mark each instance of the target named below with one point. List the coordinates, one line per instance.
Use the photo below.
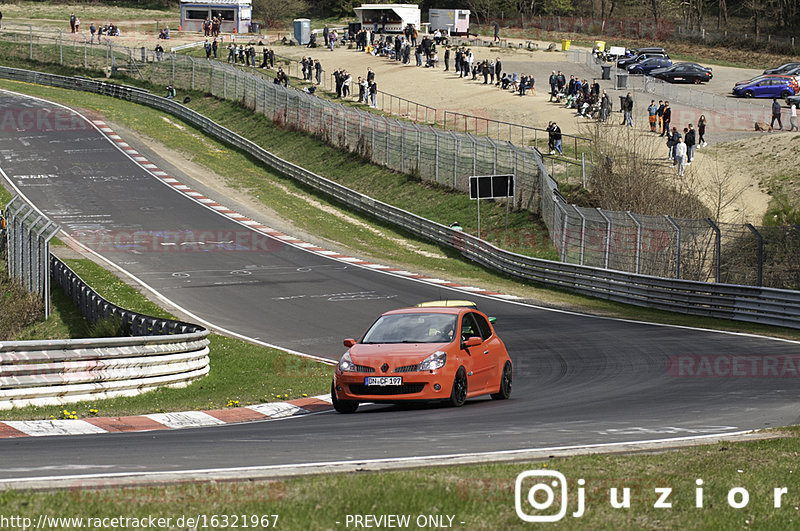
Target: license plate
(383, 380)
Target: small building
(235, 15)
(455, 21)
(388, 18)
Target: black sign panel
(491, 186)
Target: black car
(793, 99)
(783, 69)
(683, 73)
(626, 62)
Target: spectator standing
(672, 141)
(627, 109)
(77, 25)
(701, 131)
(550, 142)
(325, 34)
(332, 39)
(793, 117)
(680, 156)
(207, 48)
(652, 115)
(666, 118)
(498, 69)
(215, 47)
(72, 19)
(158, 49)
(347, 79)
(557, 138)
(373, 94)
(92, 31)
(496, 31)
(690, 136)
(605, 106)
(318, 71)
(446, 58)
(553, 85)
(776, 113)
(362, 90)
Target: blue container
(302, 30)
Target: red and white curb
(164, 421)
(257, 226)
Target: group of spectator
(74, 24)
(246, 55)
(211, 26)
(311, 68)
(211, 48)
(367, 86)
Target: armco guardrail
(161, 353)
(727, 301)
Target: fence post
(192, 60)
(455, 160)
(677, 245)
(760, 269)
(30, 38)
(563, 232)
(173, 69)
(608, 236)
(583, 169)
(583, 231)
(638, 238)
(717, 248)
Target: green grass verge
(361, 235)
(241, 373)
(479, 496)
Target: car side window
(468, 327)
(483, 326)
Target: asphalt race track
(578, 379)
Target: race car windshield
(412, 328)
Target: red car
(423, 354)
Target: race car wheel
(505, 383)
(343, 406)
(459, 393)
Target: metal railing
(156, 353)
(745, 303)
(28, 234)
(449, 159)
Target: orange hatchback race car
(423, 354)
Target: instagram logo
(541, 495)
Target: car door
(472, 357)
(762, 88)
(492, 351)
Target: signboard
(491, 186)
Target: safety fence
(152, 353)
(449, 158)
(28, 234)
(745, 303)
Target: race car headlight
(434, 361)
(346, 363)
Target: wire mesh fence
(691, 249)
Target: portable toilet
(302, 30)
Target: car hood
(395, 354)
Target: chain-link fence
(652, 245)
(28, 234)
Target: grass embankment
(359, 234)
(481, 496)
(241, 373)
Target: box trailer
(455, 21)
(388, 18)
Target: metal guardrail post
(760, 266)
(717, 248)
(638, 238)
(677, 245)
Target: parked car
(436, 353)
(683, 73)
(768, 87)
(783, 69)
(648, 65)
(793, 99)
(623, 63)
(766, 76)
